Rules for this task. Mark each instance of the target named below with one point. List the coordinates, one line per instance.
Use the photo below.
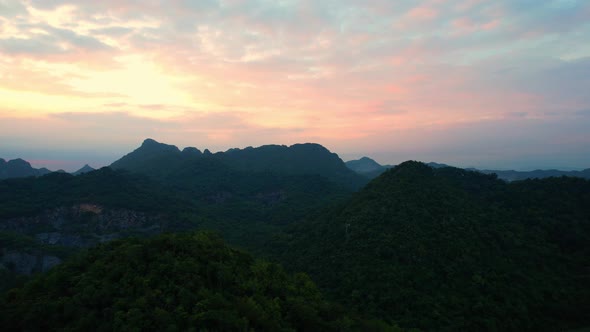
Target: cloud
(345, 72)
(120, 131)
(9, 9)
(48, 40)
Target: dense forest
(420, 247)
(174, 283)
(449, 249)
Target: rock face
(77, 226)
(81, 220)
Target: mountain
(165, 190)
(453, 250)
(308, 158)
(158, 159)
(364, 165)
(367, 167)
(19, 168)
(83, 170)
(174, 283)
(370, 169)
(247, 194)
(511, 175)
(150, 150)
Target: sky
(501, 84)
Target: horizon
(74, 165)
(469, 83)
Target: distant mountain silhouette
(146, 154)
(367, 167)
(511, 175)
(154, 158)
(364, 165)
(19, 168)
(370, 169)
(437, 165)
(83, 170)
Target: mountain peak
(153, 145)
(149, 149)
(191, 151)
(85, 169)
(364, 165)
(149, 142)
(19, 162)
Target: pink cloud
(467, 25)
(305, 71)
(423, 13)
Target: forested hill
(246, 207)
(454, 250)
(119, 189)
(173, 283)
(164, 161)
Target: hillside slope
(449, 249)
(173, 283)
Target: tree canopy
(170, 283)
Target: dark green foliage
(449, 249)
(189, 189)
(438, 249)
(246, 194)
(28, 196)
(172, 283)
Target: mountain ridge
(16, 168)
(153, 157)
(371, 169)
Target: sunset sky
(495, 84)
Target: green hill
(448, 249)
(247, 194)
(29, 196)
(171, 283)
